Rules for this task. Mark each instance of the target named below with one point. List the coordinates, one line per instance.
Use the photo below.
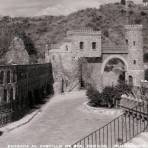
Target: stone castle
(81, 59)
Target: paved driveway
(61, 121)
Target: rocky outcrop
(17, 53)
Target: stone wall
(91, 73)
(65, 72)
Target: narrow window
(126, 41)
(66, 48)
(81, 45)
(11, 94)
(14, 77)
(93, 45)
(130, 80)
(53, 57)
(1, 77)
(134, 62)
(5, 95)
(134, 43)
(8, 77)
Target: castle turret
(134, 42)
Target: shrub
(104, 99)
(94, 97)
(123, 88)
(108, 97)
(143, 13)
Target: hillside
(38, 31)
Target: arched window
(81, 45)
(8, 77)
(130, 80)
(1, 77)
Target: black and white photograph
(73, 73)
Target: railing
(120, 130)
(6, 114)
(5, 107)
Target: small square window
(93, 45)
(134, 62)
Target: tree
(123, 2)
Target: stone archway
(113, 57)
(113, 70)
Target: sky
(24, 8)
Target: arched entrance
(130, 80)
(113, 71)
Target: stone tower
(134, 42)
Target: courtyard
(62, 120)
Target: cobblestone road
(61, 121)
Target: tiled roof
(116, 50)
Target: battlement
(133, 27)
(83, 31)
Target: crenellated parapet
(134, 37)
(133, 27)
(83, 31)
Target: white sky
(47, 7)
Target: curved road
(61, 121)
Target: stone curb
(102, 111)
(14, 125)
